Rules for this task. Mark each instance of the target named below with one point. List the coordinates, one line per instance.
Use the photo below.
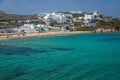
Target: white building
(96, 13)
(42, 26)
(89, 20)
(76, 12)
(89, 17)
(31, 26)
(56, 17)
(89, 25)
(28, 28)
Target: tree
(101, 24)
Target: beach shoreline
(12, 36)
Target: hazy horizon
(105, 7)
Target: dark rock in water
(13, 74)
(55, 69)
(45, 50)
(62, 49)
(110, 39)
(11, 50)
(19, 71)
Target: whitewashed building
(28, 28)
(89, 17)
(56, 17)
(95, 13)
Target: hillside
(12, 20)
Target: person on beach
(23, 32)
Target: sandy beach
(9, 36)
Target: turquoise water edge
(94, 56)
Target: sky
(106, 7)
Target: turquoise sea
(94, 56)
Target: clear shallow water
(70, 57)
